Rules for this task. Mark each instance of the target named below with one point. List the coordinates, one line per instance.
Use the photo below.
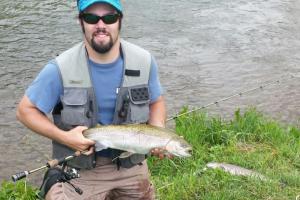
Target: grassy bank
(249, 140)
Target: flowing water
(206, 50)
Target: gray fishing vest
(78, 104)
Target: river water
(206, 50)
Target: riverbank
(249, 140)
(206, 50)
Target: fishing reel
(72, 173)
(58, 175)
(54, 174)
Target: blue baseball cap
(83, 4)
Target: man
(103, 80)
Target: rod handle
(19, 176)
(53, 163)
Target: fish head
(214, 165)
(179, 148)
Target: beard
(102, 47)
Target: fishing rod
(227, 98)
(55, 162)
(50, 164)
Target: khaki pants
(106, 182)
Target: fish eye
(184, 145)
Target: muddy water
(206, 50)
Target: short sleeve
(154, 83)
(45, 91)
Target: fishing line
(264, 85)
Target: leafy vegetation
(17, 191)
(249, 140)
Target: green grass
(249, 140)
(17, 191)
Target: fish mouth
(189, 152)
(184, 153)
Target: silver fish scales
(138, 138)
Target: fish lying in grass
(138, 138)
(235, 170)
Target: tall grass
(249, 140)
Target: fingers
(89, 151)
(77, 141)
(161, 156)
(80, 128)
(83, 128)
(157, 151)
(170, 156)
(86, 146)
(85, 152)
(161, 153)
(77, 153)
(90, 142)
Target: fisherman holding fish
(102, 80)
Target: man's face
(100, 36)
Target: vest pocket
(75, 107)
(132, 105)
(139, 104)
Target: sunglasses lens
(94, 19)
(110, 19)
(90, 18)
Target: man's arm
(158, 118)
(38, 122)
(158, 113)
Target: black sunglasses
(94, 19)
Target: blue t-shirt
(45, 91)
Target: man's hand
(161, 153)
(38, 122)
(87, 152)
(77, 141)
(158, 118)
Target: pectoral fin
(100, 146)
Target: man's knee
(62, 191)
(141, 190)
(55, 192)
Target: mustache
(101, 30)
